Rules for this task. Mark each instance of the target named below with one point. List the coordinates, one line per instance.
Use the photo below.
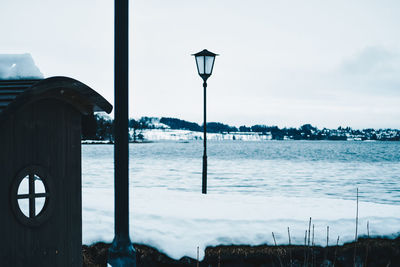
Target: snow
(175, 135)
(91, 142)
(177, 222)
(18, 66)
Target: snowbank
(176, 222)
(18, 66)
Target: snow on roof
(18, 67)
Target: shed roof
(16, 93)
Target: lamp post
(121, 252)
(205, 64)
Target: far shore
(110, 142)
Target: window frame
(46, 211)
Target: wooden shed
(40, 170)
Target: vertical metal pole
(204, 183)
(121, 252)
(121, 118)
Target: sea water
(254, 188)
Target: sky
(286, 63)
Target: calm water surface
(328, 169)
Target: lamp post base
(121, 253)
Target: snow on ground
(176, 222)
(18, 66)
(91, 142)
(169, 134)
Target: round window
(31, 196)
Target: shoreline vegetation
(99, 129)
(364, 252)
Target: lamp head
(205, 63)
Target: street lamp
(205, 64)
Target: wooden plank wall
(46, 133)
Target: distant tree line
(95, 127)
(98, 127)
(178, 124)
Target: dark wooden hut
(40, 170)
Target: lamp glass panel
(200, 64)
(209, 64)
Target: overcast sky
(286, 63)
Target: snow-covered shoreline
(186, 135)
(150, 135)
(176, 222)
